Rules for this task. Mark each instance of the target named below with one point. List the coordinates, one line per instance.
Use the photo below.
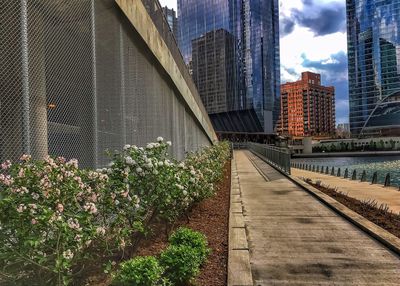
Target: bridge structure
(83, 76)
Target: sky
(313, 38)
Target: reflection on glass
(374, 60)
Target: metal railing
(347, 173)
(275, 156)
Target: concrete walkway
(296, 240)
(356, 189)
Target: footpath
(293, 239)
(363, 191)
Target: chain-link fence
(76, 79)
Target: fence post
(374, 178)
(318, 169)
(338, 173)
(327, 170)
(346, 173)
(387, 180)
(313, 168)
(354, 176)
(333, 171)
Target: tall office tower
(307, 107)
(259, 38)
(374, 66)
(172, 20)
(254, 27)
(213, 70)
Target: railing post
(333, 171)
(278, 157)
(387, 180)
(327, 170)
(374, 178)
(338, 173)
(354, 176)
(346, 173)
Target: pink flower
(60, 208)
(34, 221)
(74, 224)
(101, 231)
(21, 173)
(6, 180)
(91, 208)
(5, 165)
(61, 160)
(68, 254)
(21, 208)
(25, 158)
(78, 237)
(73, 163)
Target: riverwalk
(363, 191)
(293, 239)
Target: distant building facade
(172, 20)
(343, 130)
(214, 70)
(254, 27)
(374, 66)
(307, 107)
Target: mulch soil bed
(370, 210)
(211, 217)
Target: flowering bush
(48, 214)
(53, 215)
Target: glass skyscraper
(374, 65)
(254, 27)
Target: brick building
(307, 107)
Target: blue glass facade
(196, 18)
(254, 24)
(374, 60)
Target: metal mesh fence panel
(76, 79)
(12, 90)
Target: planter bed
(378, 214)
(210, 217)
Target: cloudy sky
(313, 37)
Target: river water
(382, 165)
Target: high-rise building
(307, 107)
(374, 65)
(213, 70)
(172, 20)
(254, 28)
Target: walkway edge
(383, 236)
(239, 270)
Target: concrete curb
(383, 236)
(239, 270)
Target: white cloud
(303, 42)
(169, 3)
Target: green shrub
(56, 217)
(194, 239)
(181, 263)
(140, 271)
